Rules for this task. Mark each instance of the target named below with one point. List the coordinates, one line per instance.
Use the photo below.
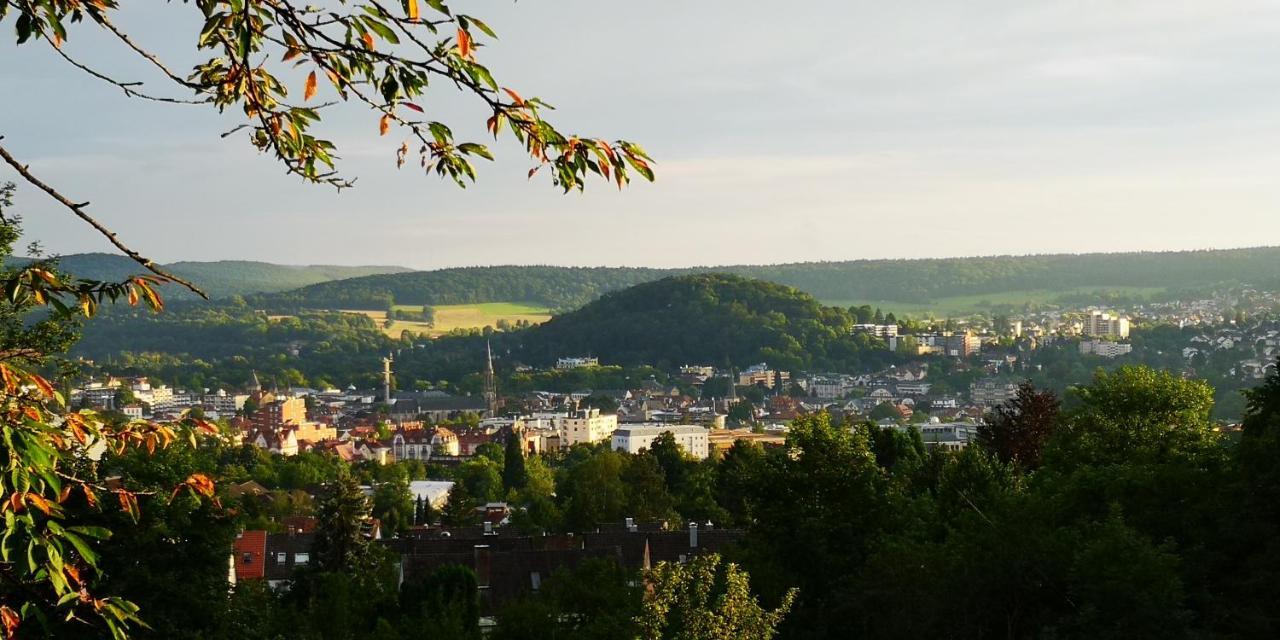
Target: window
(281, 557)
(301, 558)
(535, 580)
(247, 558)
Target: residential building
(587, 426)
(637, 438)
(1105, 325)
(761, 374)
(577, 362)
(877, 330)
(1105, 348)
(992, 391)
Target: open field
(971, 304)
(461, 316)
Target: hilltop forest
(1068, 277)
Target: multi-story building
(992, 391)
(636, 438)
(1105, 325)
(575, 363)
(1105, 348)
(877, 330)
(587, 426)
(225, 404)
(763, 375)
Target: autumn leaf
(411, 7)
(200, 484)
(9, 618)
(368, 40)
(310, 91)
(39, 502)
(514, 96)
(43, 385)
(464, 43)
(384, 125)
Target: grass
(957, 306)
(461, 316)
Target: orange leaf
(464, 43)
(411, 6)
(514, 96)
(368, 40)
(201, 484)
(384, 125)
(89, 495)
(10, 379)
(39, 501)
(9, 618)
(43, 385)
(292, 53)
(73, 573)
(310, 91)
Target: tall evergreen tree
(514, 475)
(460, 511)
(343, 522)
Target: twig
(110, 235)
(127, 87)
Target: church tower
(490, 382)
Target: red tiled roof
(250, 549)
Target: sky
(783, 132)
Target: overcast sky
(784, 131)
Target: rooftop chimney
(693, 535)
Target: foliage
(342, 530)
(1016, 431)
(703, 601)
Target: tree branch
(110, 235)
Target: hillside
(552, 287)
(702, 318)
(220, 279)
(919, 283)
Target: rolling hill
(919, 283)
(703, 318)
(220, 279)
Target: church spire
(490, 382)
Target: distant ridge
(914, 281)
(904, 280)
(221, 279)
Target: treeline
(199, 346)
(914, 281)
(553, 287)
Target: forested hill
(220, 279)
(908, 281)
(703, 318)
(554, 287)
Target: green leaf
(381, 29)
(474, 149)
(97, 533)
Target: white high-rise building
(1105, 325)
